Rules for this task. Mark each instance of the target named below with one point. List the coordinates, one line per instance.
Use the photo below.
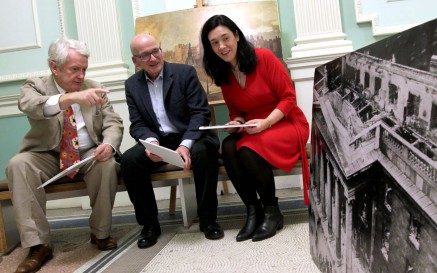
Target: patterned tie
(69, 147)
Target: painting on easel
(179, 31)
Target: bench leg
(301, 181)
(225, 187)
(9, 236)
(172, 205)
(187, 193)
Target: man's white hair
(58, 50)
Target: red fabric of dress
(268, 87)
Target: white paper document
(67, 171)
(225, 126)
(166, 154)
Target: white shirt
(52, 108)
(157, 97)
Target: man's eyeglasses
(146, 56)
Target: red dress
(268, 87)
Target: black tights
(249, 172)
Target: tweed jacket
(102, 123)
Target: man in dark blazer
(167, 105)
(44, 100)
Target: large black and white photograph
(373, 194)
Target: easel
(200, 3)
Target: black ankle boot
(253, 219)
(273, 221)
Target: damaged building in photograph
(373, 194)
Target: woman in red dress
(257, 90)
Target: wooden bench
(165, 176)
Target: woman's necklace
(237, 73)
(238, 76)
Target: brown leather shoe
(37, 256)
(103, 244)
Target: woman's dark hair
(214, 66)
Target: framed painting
(179, 32)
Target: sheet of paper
(225, 126)
(166, 154)
(67, 171)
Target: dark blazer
(185, 103)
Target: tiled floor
(70, 232)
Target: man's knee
(107, 166)
(204, 146)
(17, 160)
(131, 155)
(103, 174)
(19, 163)
(12, 167)
(205, 156)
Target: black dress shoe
(148, 237)
(212, 231)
